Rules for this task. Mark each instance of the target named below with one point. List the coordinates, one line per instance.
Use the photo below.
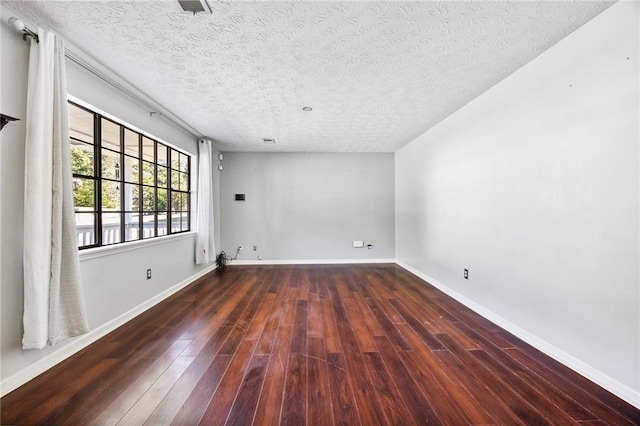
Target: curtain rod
(153, 110)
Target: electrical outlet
(239, 249)
(466, 274)
(148, 274)
(255, 248)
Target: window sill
(97, 252)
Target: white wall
(113, 284)
(308, 206)
(534, 187)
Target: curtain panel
(205, 240)
(53, 300)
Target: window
(127, 186)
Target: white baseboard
(621, 390)
(78, 343)
(309, 261)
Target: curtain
(205, 243)
(53, 301)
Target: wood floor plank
(603, 404)
(524, 390)
(345, 411)
(370, 320)
(246, 401)
(455, 389)
(142, 409)
(357, 323)
(329, 327)
(270, 404)
(429, 339)
(369, 408)
(319, 411)
(294, 401)
(446, 406)
(417, 403)
(272, 322)
(311, 344)
(49, 406)
(193, 408)
(260, 318)
(170, 405)
(222, 401)
(497, 411)
(109, 406)
(289, 312)
(391, 331)
(314, 320)
(391, 401)
(496, 390)
(217, 319)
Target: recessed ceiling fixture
(269, 141)
(195, 6)
(307, 109)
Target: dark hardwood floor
(323, 345)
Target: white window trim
(112, 249)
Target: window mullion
(120, 179)
(97, 173)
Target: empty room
(319, 212)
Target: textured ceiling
(377, 74)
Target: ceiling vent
(195, 6)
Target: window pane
(148, 173)
(86, 229)
(110, 195)
(110, 228)
(176, 201)
(175, 179)
(162, 224)
(131, 226)
(185, 201)
(175, 159)
(162, 154)
(184, 182)
(131, 143)
(84, 194)
(148, 148)
(184, 162)
(81, 158)
(149, 225)
(131, 169)
(185, 221)
(176, 224)
(148, 198)
(162, 200)
(162, 176)
(131, 197)
(80, 123)
(110, 135)
(110, 164)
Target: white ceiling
(376, 73)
